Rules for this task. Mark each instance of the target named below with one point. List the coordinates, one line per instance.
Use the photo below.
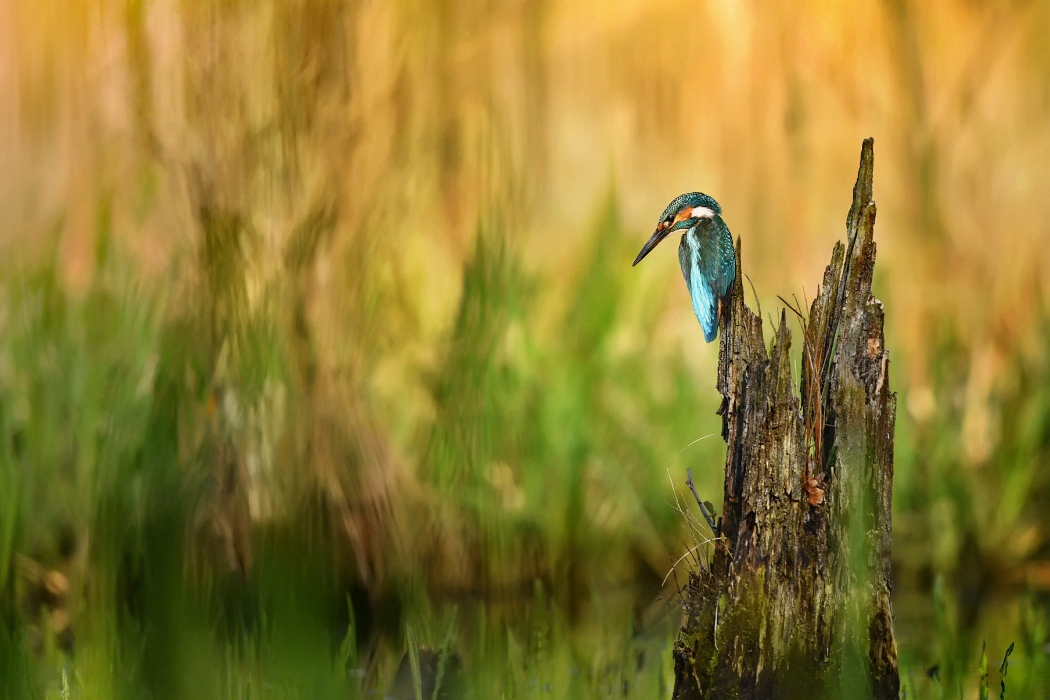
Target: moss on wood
(796, 600)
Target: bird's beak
(660, 234)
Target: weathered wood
(796, 600)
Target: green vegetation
(541, 484)
(122, 478)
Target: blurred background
(320, 340)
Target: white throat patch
(702, 213)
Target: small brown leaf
(816, 493)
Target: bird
(706, 253)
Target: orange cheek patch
(682, 215)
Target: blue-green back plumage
(709, 266)
(705, 303)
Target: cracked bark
(795, 601)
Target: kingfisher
(706, 253)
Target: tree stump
(795, 601)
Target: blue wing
(718, 262)
(705, 303)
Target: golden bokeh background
(409, 122)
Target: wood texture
(796, 599)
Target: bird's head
(683, 213)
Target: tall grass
(550, 443)
(975, 478)
(148, 461)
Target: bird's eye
(667, 221)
